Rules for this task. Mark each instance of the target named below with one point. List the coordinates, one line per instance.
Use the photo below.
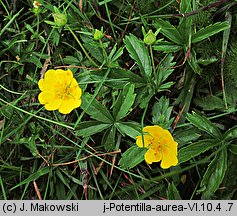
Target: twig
(129, 19)
(84, 158)
(37, 190)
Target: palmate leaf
(161, 112)
(204, 124)
(165, 68)
(169, 31)
(124, 102)
(208, 31)
(132, 157)
(118, 77)
(192, 150)
(96, 110)
(131, 129)
(89, 128)
(139, 53)
(214, 174)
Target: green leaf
(124, 102)
(169, 31)
(192, 150)
(108, 140)
(172, 192)
(139, 53)
(204, 124)
(96, 110)
(117, 78)
(231, 133)
(208, 31)
(165, 86)
(165, 68)
(207, 61)
(145, 94)
(30, 143)
(132, 157)
(161, 112)
(114, 56)
(209, 102)
(71, 60)
(34, 176)
(187, 135)
(35, 60)
(89, 128)
(93, 47)
(131, 129)
(186, 22)
(233, 148)
(192, 61)
(167, 47)
(214, 174)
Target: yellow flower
(161, 146)
(59, 91)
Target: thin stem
(110, 22)
(36, 116)
(83, 49)
(104, 53)
(142, 123)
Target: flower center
(156, 145)
(64, 91)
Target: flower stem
(104, 53)
(142, 123)
(153, 64)
(83, 49)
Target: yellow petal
(169, 143)
(68, 105)
(41, 84)
(169, 158)
(46, 97)
(147, 141)
(53, 105)
(49, 73)
(152, 156)
(77, 92)
(155, 131)
(64, 76)
(75, 89)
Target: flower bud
(98, 34)
(149, 38)
(60, 19)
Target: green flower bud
(149, 38)
(98, 34)
(60, 19)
